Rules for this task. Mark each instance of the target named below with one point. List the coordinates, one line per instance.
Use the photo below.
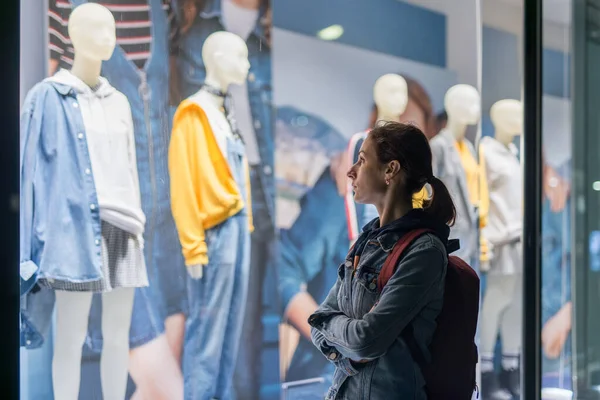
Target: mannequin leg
(510, 327)
(117, 307)
(495, 303)
(496, 300)
(72, 312)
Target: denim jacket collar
(415, 219)
(63, 89)
(213, 9)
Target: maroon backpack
(451, 373)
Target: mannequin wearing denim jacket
(192, 74)
(147, 92)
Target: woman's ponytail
(440, 204)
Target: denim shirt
(192, 74)
(59, 219)
(357, 322)
(60, 232)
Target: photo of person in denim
(154, 356)
(197, 19)
(556, 277)
(310, 247)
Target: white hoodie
(110, 140)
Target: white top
(241, 21)
(111, 143)
(505, 218)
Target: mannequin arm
(187, 148)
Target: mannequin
(455, 163)
(206, 155)
(105, 253)
(502, 304)
(390, 94)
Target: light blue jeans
(216, 313)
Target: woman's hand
(555, 332)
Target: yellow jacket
(204, 192)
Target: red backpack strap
(390, 263)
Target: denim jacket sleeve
(416, 281)
(30, 126)
(330, 306)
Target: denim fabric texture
(347, 327)
(217, 301)
(556, 275)
(147, 91)
(61, 238)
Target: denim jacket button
(92, 206)
(257, 124)
(372, 286)
(80, 136)
(333, 356)
(88, 171)
(75, 105)
(267, 170)
(348, 263)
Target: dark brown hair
(407, 144)
(417, 94)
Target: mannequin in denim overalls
(214, 228)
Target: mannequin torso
(504, 175)
(455, 163)
(225, 58)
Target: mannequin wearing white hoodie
(110, 144)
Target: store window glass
(557, 202)
(184, 199)
(585, 299)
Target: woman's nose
(350, 173)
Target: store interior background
(438, 42)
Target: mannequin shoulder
(44, 94)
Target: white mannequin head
(507, 117)
(390, 94)
(92, 31)
(225, 57)
(463, 106)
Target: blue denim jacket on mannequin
(192, 74)
(58, 238)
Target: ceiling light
(332, 32)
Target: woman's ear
(392, 168)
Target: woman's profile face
(414, 115)
(366, 175)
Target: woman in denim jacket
(358, 328)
